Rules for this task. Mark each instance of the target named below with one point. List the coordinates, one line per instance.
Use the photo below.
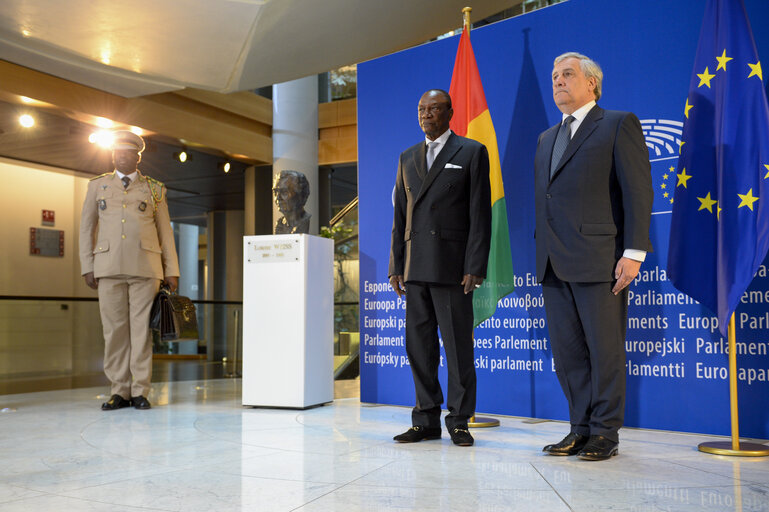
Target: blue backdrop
(677, 360)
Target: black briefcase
(174, 316)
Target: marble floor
(198, 450)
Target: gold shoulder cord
(156, 188)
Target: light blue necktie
(431, 150)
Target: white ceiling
(139, 47)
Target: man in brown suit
(126, 249)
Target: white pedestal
(288, 314)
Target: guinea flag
(473, 120)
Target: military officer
(126, 249)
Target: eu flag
(719, 231)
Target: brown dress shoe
(115, 402)
(418, 433)
(598, 448)
(569, 445)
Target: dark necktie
(431, 148)
(561, 141)
(126, 181)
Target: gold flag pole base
(482, 422)
(734, 447)
(726, 448)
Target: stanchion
(734, 448)
(235, 373)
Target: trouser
(428, 307)
(587, 325)
(125, 303)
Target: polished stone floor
(198, 450)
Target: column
(188, 251)
(295, 136)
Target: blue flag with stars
(719, 231)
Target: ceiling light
(138, 131)
(25, 99)
(103, 122)
(182, 156)
(26, 120)
(103, 138)
(224, 167)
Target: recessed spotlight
(27, 100)
(26, 120)
(224, 167)
(182, 156)
(138, 131)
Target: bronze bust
(291, 190)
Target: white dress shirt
(441, 141)
(131, 176)
(579, 116)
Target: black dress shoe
(598, 448)
(418, 433)
(115, 402)
(140, 402)
(461, 437)
(569, 445)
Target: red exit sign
(49, 217)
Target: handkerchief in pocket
(452, 166)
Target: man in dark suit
(438, 255)
(593, 197)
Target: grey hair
(589, 67)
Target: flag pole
(734, 448)
(476, 421)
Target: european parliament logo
(663, 138)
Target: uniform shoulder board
(101, 176)
(154, 182)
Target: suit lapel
(420, 161)
(588, 126)
(449, 150)
(547, 143)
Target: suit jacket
(442, 218)
(127, 231)
(599, 200)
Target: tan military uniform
(126, 240)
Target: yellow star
(706, 203)
(767, 168)
(705, 79)
(688, 107)
(682, 178)
(665, 194)
(672, 169)
(718, 212)
(722, 60)
(680, 146)
(665, 176)
(664, 185)
(671, 200)
(755, 69)
(747, 199)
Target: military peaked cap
(125, 139)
